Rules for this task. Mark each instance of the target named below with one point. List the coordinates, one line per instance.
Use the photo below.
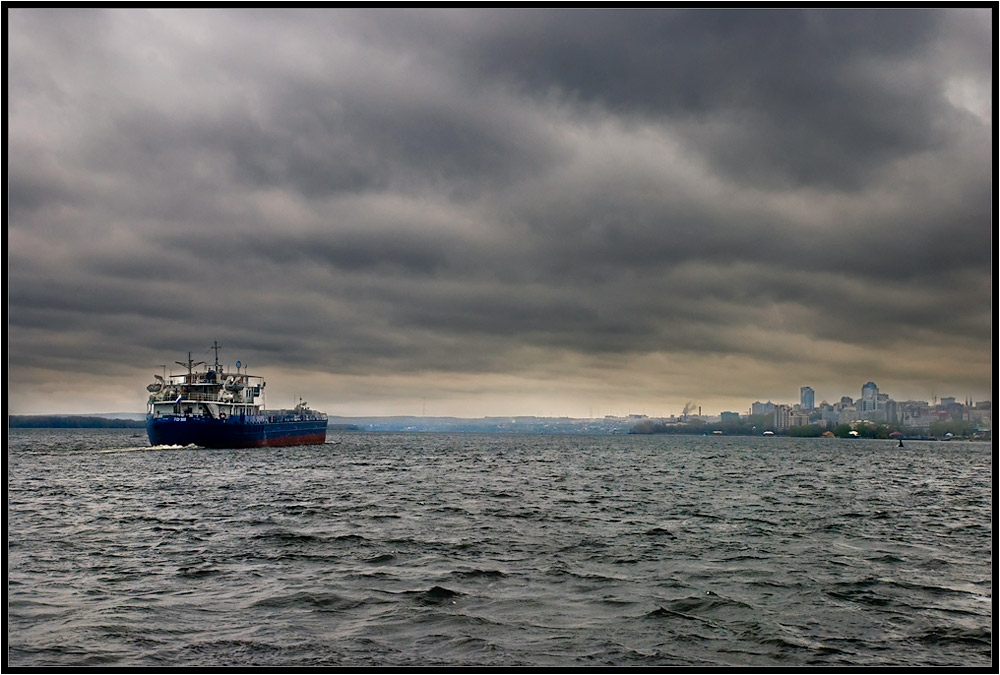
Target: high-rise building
(807, 398)
(782, 417)
(798, 419)
(869, 398)
(869, 391)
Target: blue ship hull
(234, 432)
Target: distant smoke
(688, 407)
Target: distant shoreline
(411, 424)
(71, 422)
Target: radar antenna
(190, 365)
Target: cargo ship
(216, 409)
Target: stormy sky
(500, 212)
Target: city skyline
(932, 400)
(475, 212)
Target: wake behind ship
(216, 409)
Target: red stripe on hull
(311, 439)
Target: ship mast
(215, 346)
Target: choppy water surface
(436, 549)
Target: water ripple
(463, 550)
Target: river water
(381, 549)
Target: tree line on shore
(71, 422)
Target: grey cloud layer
(482, 191)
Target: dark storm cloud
(501, 192)
(775, 96)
